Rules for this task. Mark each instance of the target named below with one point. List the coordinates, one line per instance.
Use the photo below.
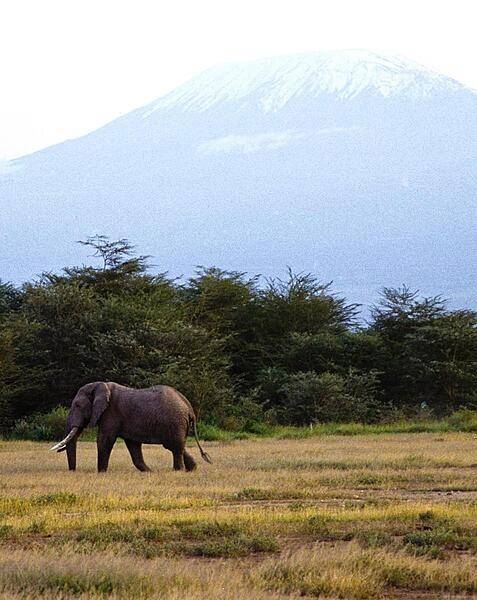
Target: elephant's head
(88, 405)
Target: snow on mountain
(357, 167)
(276, 80)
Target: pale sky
(69, 66)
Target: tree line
(244, 351)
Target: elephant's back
(170, 401)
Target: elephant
(156, 415)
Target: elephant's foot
(142, 467)
(189, 462)
(178, 461)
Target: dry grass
(336, 516)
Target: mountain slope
(358, 167)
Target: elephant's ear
(101, 396)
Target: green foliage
(10, 299)
(428, 354)
(312, 398)
(248, 354)
(464, 420)
(42, 426)
(111, 323)
(302, 304)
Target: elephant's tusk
(62, 445)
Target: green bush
(464, 420)
(42, 426)
(313, 398)
(246, 414)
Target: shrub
(246, 414)
(310, 398)
(464, 420)
(42, 426)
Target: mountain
(358, 167)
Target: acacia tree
(115, 254)
(10, 298)
(225, 303)
(428, 353)
(302, 303)
(113, 322)
(443, 354)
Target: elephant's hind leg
(178, 456)
(135, 450)
(189, 462)
(177, 450)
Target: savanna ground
(366, 516)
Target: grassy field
(363, 516)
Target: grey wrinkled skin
(157, 415)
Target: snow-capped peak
(274, 81)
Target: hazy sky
(69, 66)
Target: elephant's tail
(204, 455)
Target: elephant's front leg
(105, 443)
(71, 454)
